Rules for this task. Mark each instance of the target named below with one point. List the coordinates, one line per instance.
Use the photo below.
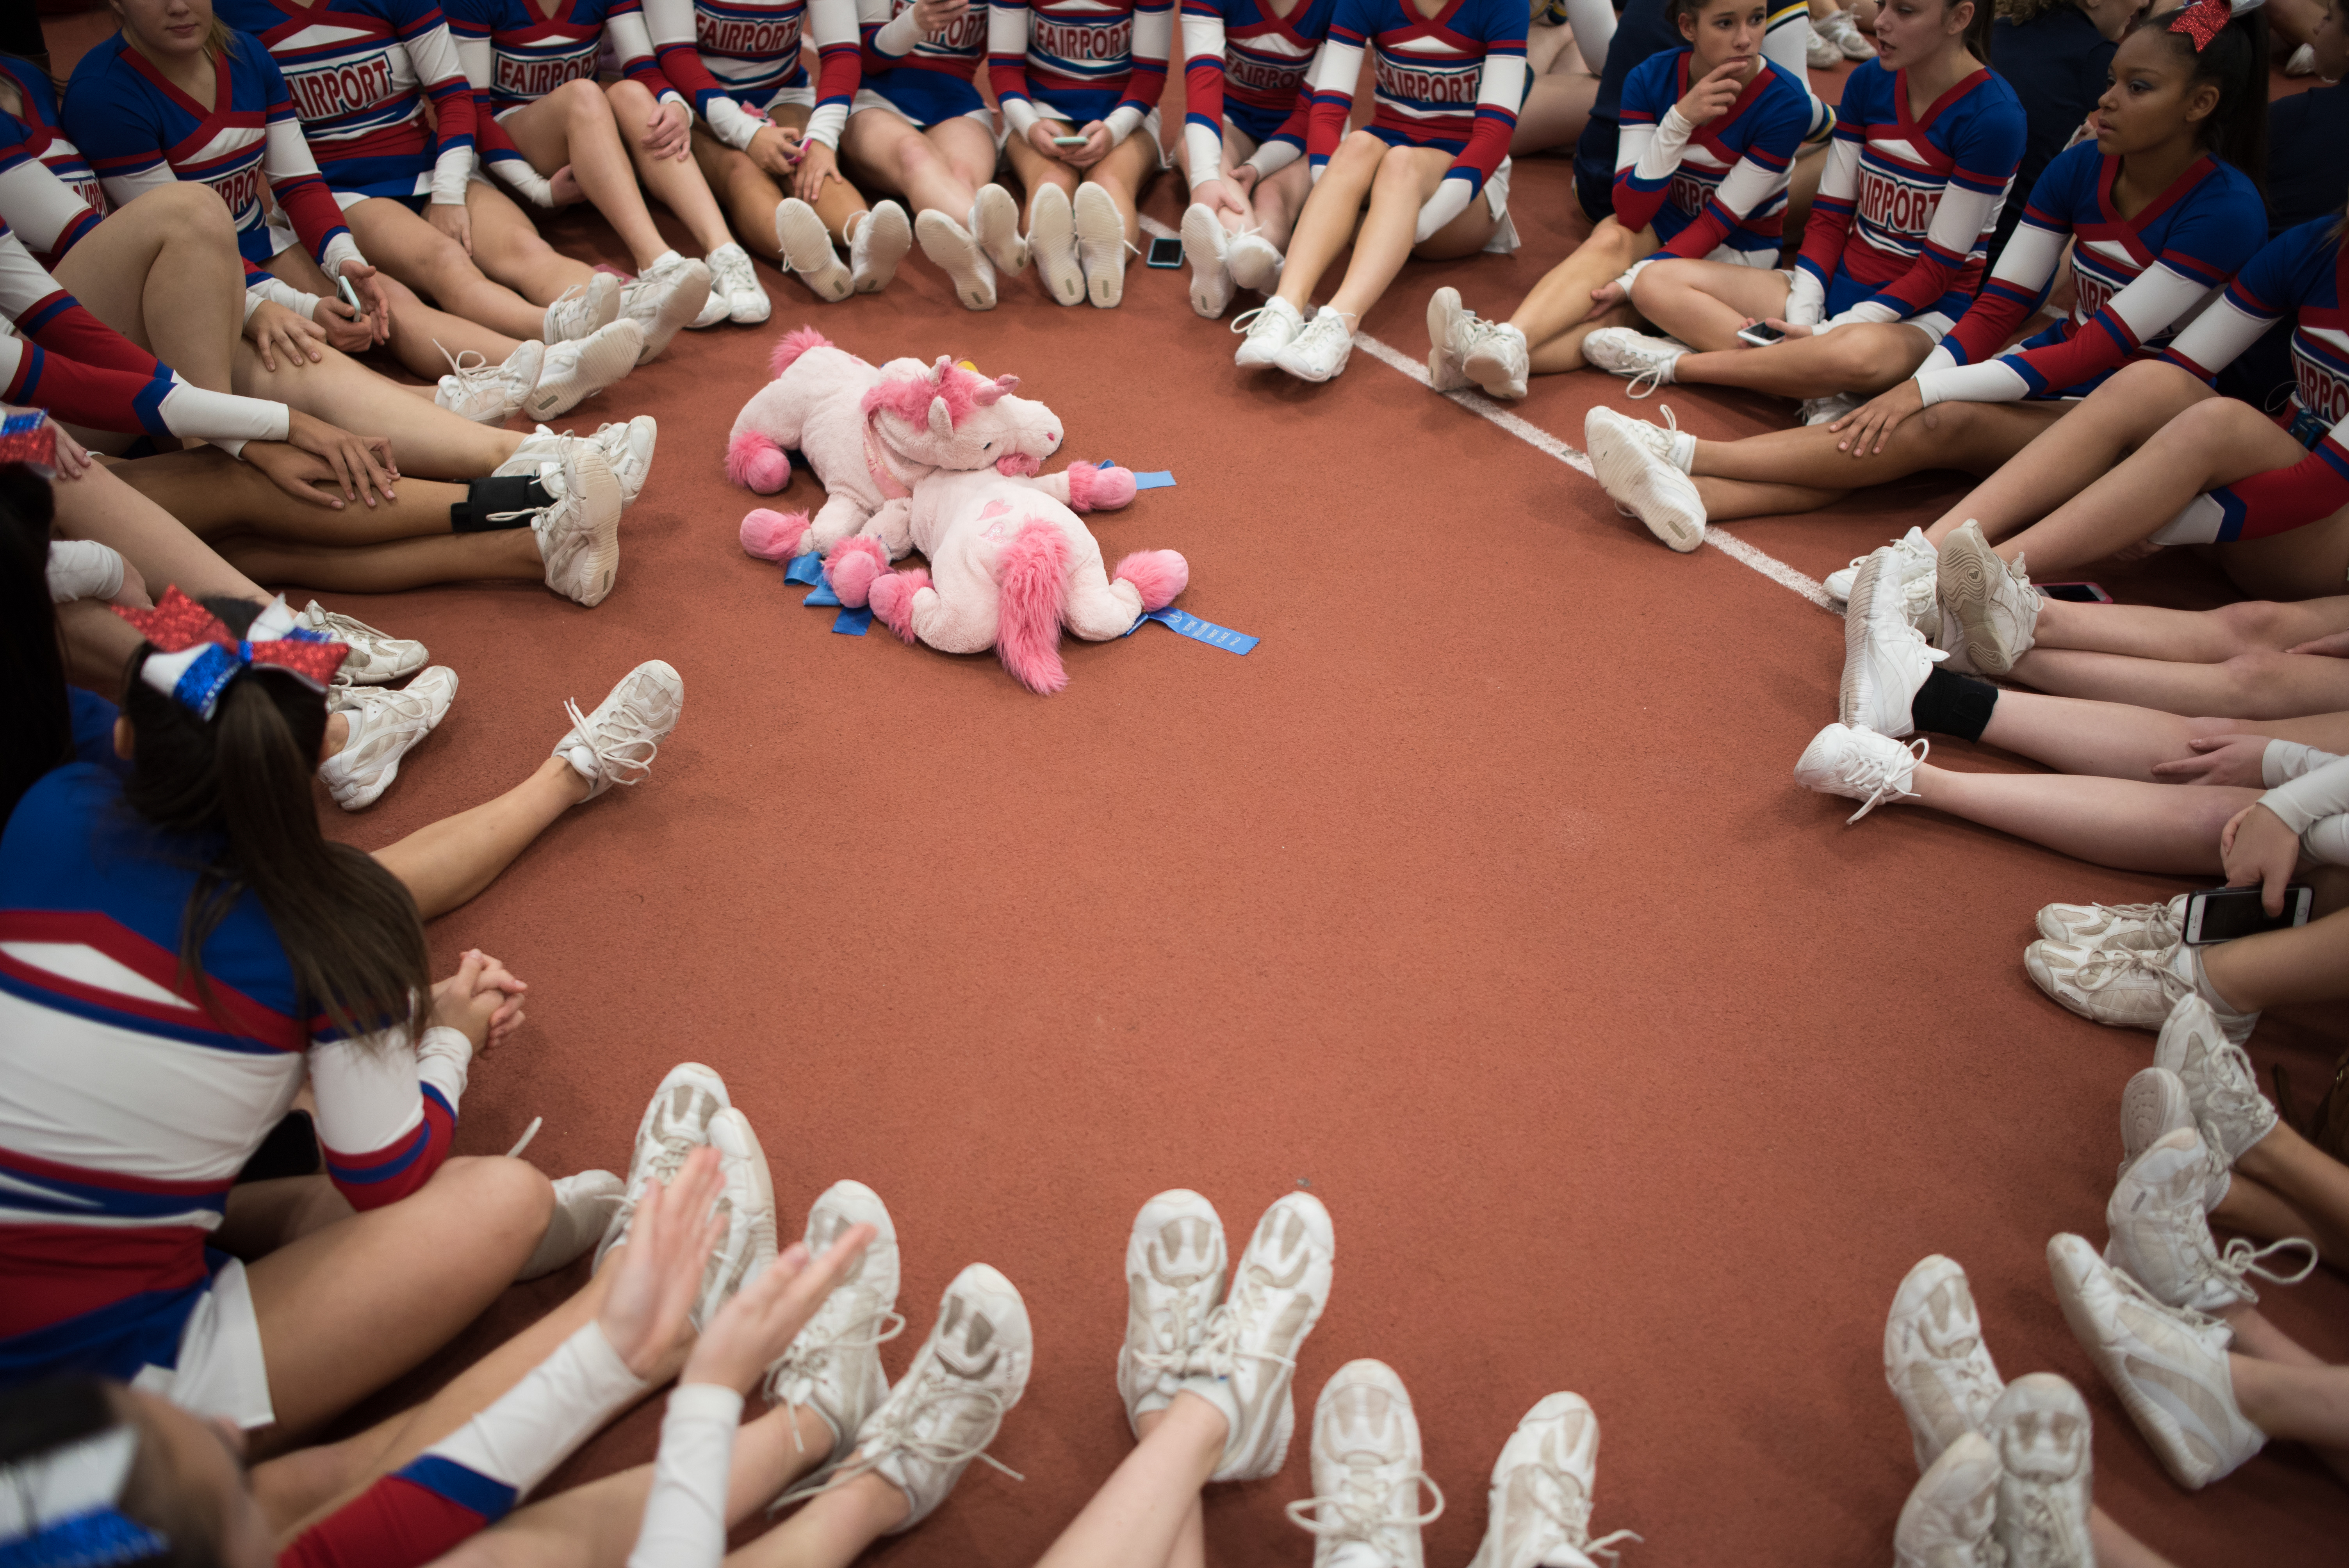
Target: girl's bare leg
(98, 645)
(419, 332)
(1125, 172)
(574, 124)
(1035, 171)
(163, 272)
(2277, 969)
(507, 554)
(1147, 1513)
(426, 440)
(2294, 1189)
(1406, 177)
(1277, 201)
(2255, 686)
(1557, 107)
(1703, 304)
(218, 498)
(450, 861)
(1862, 359)
(1327, 222)
(1556, 316)
(1786, 471)
(937, 170)
(2115, 823)
(426, 260)
(838, 203)
(2304, 563)
(508, 246)
(677, 182)
(102, 506)
(2257, 1210)
(2300, 1403)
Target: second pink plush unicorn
(870, 434)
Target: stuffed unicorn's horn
(994, 391)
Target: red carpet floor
(1479, 898)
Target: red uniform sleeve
(403, 1521)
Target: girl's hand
(2336, 646)
(452, 218)
(768, 1313)
(273, 329)
(1709, 96)
(563, 185)
(2260, 851)
(775, 151)
(1221, 196)
(657, 1276)
(342, 326)
(362, 464)
(373, 296)
(1039, 137)
(1875, 419)
(1243, 179)
(496, 978)
(668, 133)
(1096, 146)
(932, 17)
(73, 461)
(1608, 295)
(462, 1004)
(817, 164)
(1791, 329)
(2219, 759)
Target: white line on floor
(1533, 435)
(1154, 228)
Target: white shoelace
(1571, 1514)
(895, 1434)
(576, 291)
(663, 1166)
(1181, 1348)
(1880, 775)
(616, 767)
(1645, 383)
(2232, 1095)
(2192, 1319)
(1364, 1508)
(1245, 323)
(2240, 1257)
(468, 375)
(2115, 965)
(867, 1330)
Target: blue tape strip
(1191, 626)
(1161, 479)
(851, 623)
(805, 569)
(822, 597)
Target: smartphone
(1165, 252)
(1067, 141)
(2076, 592)
(1761, 335)
(2224, 914)
(350, 296)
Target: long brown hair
(348, 927)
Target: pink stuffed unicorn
(1009, 566)
(871, 435)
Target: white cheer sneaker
(732, 277)
(1496, 359)
(1265, 333)
(877, 247)
(2040, 1429)
(576, 371)
(2199, 1044)
(1860, 765)
(1175, 1266)
(833, 1366)
(956, 252)
(1244, 1368)
(1053, 244)
(1641, 467)
(583, 308)
(994, 222)
(1318, 353)
(807, 250)
(2153, 1105)
(1953, 1511)
(1648, 361)
(616, 743)
(578, 529)
(1368, 1472)
(2158, 1233)
(1935, 1362)
(1206, 244)
(1448, 323)
(1992, 602)
(2128, 987)
(676, 1122)
(385, 725)
(2147, 925)
(1884, 659)
(746, 1208)
(583, 1208)
(376, 658)
(2169, 1365)
(1255, 263)
(489, 394)
(1101, 246)
(1537, 1513)
(669, 297)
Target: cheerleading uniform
(142, 133)
(1246, 68)
(1907, 202)
(927, 79)
(1452, 81)
(360, 72)
(49, 215)
(738, 59)
(2139, 280)
(131, 1096)
(2302, 272)
(43, 136)
(514, 55)
(1716, 191)
(1078, 61)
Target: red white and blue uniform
(360, 72)
(734, 60)
(1078, 61)
(141, 133)
(2139, 280)
(1906, 206)
(1453, 81)
(2302, 272)
(514, 55)
(1245, 66)
(45, 134)
(1717, 191)
(929, 78)
(128, 1104)
(49, 215)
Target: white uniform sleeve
(535, 1425)
(83, 569)
(436, 58)
(2285, 760)
(685, 1514)
(2314, 806)
(1007, 39)
(2218, 336)
(1660, 150)
(894, 36)
(39, 205)
(1203, 146)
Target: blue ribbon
(851, 623)
(1191, 626)
(805, 569)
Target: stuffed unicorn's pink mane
(964, 390)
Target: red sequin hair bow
(2203, 20)
(196, 656)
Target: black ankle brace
(503, 502)
(1953, 705)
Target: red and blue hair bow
(196, 656)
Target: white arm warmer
(685, 1514)
(83, 569)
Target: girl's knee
(2252, 679)
(189, 203)
(511, 1197)
(2254, 624)
(2155, 378)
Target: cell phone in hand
(350, 295)
(1069, 141)
(2076, 592)
(2224, 914)
(1761, 335)
(1165, 252)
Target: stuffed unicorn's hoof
(854, 564)
(754, 462)
(891, 597)
(774, 535)
(1160, 574)
(1094, 489)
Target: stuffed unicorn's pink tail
(773, 535)
(795, 343)
(754, 462)
(1035, 584)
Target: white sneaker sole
(2154, 1103)
(1204, 248)
(1493, 376)
(807, 250)
(599, 493)
(958, 254)
(995, 225)
(603, 359)
(1625, 467)
(1443, 373)
(1254, 263)
(676, 312)
(441, 694)
(1967, 584)
(1053, 244)
(1100, 247)
(885, 237)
